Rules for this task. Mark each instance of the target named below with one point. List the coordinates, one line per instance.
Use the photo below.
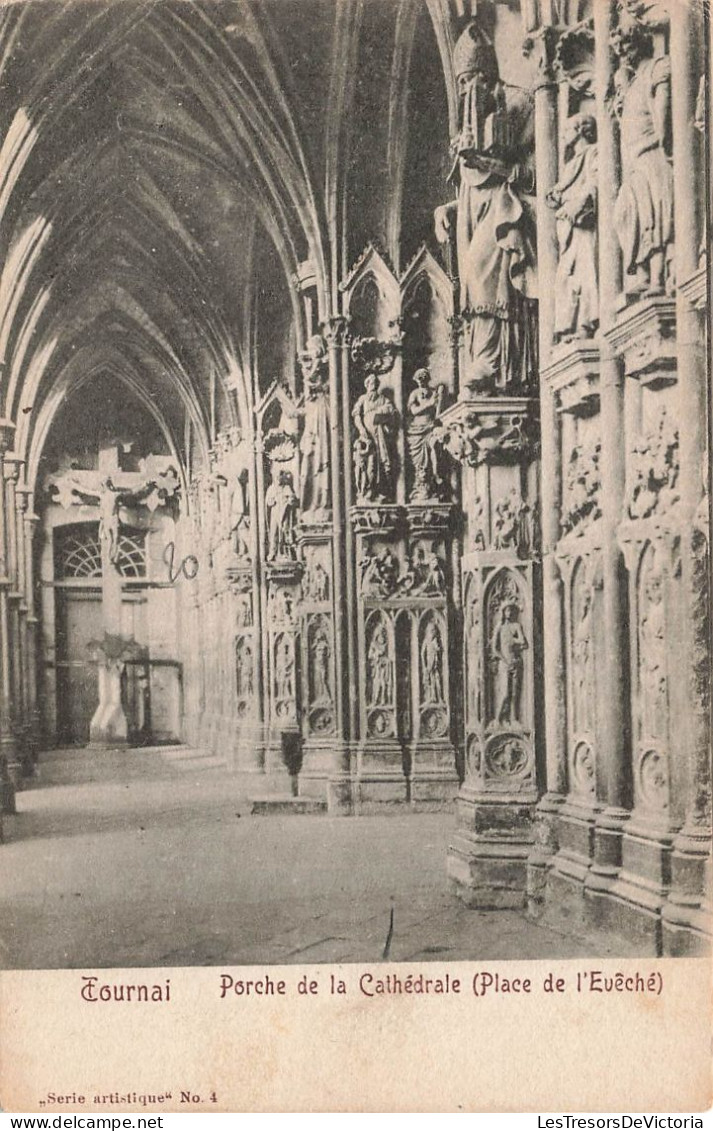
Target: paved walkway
(151, 858)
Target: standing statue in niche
(432, 665)
(315, 492)
(423, 411)
(321, 657)
(244, 671)
(238, 511)
(374, 418)
(582, 651)
(574, 199)
(508, 645)
(281, 505)
(494, 225)
(284, 671)
(643, 216)
(380, 675)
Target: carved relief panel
(498, 663)
(283, 648)
(317, 631)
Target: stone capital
(645, 337)
(573, 374)
(7, 433)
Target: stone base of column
(7, 796)
(379, 783)
(317, 765)
(433, 780)
(282, 762)
(608, 833)
(340, 784)
(686, 914)
(487, 858)
(544, 849)
(576, 839)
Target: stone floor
(151, 858)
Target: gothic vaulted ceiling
(166, 165)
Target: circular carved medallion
(653, 779)
(506, 756)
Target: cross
(112, 489)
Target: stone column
(614, 740)
(31, 523)
(553, 684)
(24, 706)
(339, 792)
(9, 764)
(12, 466)
(691, 790)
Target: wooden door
(79, 621)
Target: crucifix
(112, 490)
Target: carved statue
(582, 652)
(316, 583)
(432, 665)
(379, 574)
(507, 521)
(422, 436)
(374, 417)
(574, 198)
(315, 440)
(244, 670)
(643, 215)
(284, 670)
(380, 673)
(508, 645)
(494, 226)
(281, 504)
(321, 656)
(238, 513)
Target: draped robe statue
(574, 199)
(643, 216)
(494, 226)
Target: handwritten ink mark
(188, 567)
(390, 935)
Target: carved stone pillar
(496, 440)
(344, 600)
(9, 762)
(649, 536)
(320, 702)
(683, 916)
(385, 653)
(572, 381)
(542, 43)
(283, 674)
(613, 728)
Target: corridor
(151, 857)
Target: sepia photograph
(354, 518)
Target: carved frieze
(582, 487)
(489, 432)
(654, 470)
